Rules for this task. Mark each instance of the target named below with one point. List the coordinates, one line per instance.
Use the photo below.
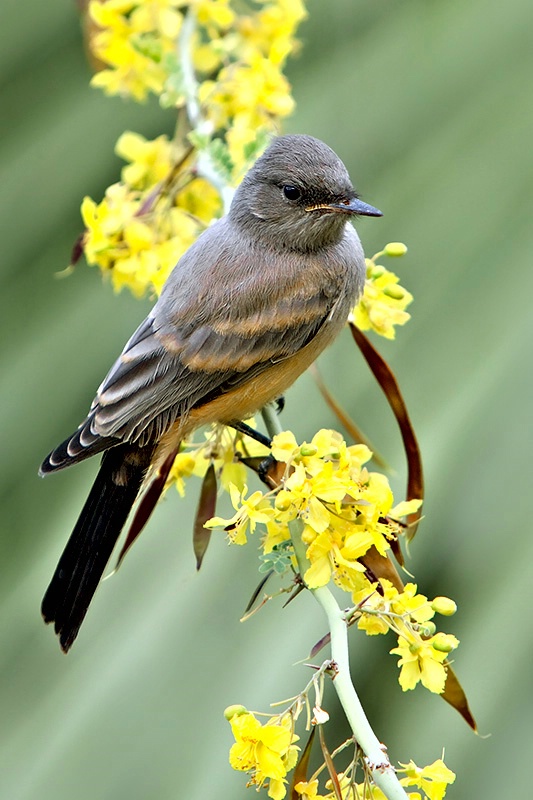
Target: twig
(376, 757)
(205, 166)
(271, 419)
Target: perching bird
(245, 311)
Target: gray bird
(245, 311)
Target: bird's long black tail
(91, 543)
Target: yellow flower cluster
(239, 54)
(133, 37)
(218, 447)
(345, 508)
(250, 93)
(422, 651)
(432, 781)
(145, 223)
(268, 752)
(384, 301)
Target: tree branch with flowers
(328, 522)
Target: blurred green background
(429, 104)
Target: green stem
(271, 419)
(376, 757)
(205, 166)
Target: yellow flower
(266, 751)
(308, 790)
(412, 604)
(271, 31)
(358, 454)
(166, 255)
(276, 534)
(372, 625)
(139, 251)
(250, 93)
(233, 473)
(318, 553)
(343, 506)
(133, 38)
(405, 508)
(200, 199)
(384, 301)
(328, 443)
(150, 161)
(135, 272)
(385, 599)
(105, 222)
(182, 468)
(284, 446)
(249, 512)
(215, 13)
(421, 661)
(368, 599)
(217, 449)
(137, 39)
(157, 16)
(349, 573)
(433, 779)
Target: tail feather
(94, 536)
(81, 445)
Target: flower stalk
(376, 758)
(205, 167)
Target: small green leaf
(219, 153)
(254, 148)
(278, 560)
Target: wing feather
(219, 321)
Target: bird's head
(297, 196)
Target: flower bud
(375, 271)
(444, 643)
(444, 606)
(235, 710)
(395, 249)
(308, 450)
(395, 292)
(283, 500)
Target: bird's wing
(215, 326)
(163, 374)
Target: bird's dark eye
(292, 192)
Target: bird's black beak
(355, 206)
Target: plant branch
(271, 419)
(375, 752)
(206, 168)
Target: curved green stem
(375, 752)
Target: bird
(248, 307)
